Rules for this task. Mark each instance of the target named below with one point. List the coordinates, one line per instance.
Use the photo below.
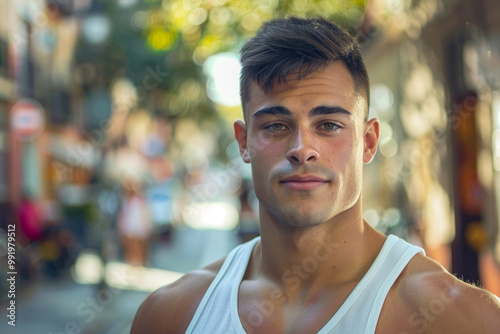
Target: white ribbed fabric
(218, 310)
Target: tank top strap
(394, 263)
(360, 311)
(231, 272)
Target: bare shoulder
(170, 308)
(438, 302)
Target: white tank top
(218, 310)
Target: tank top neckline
(339, 314)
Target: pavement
(70, 305)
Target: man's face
(306, 141)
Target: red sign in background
(27, 119)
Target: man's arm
(467, 309)
(170, 308)
(441, 303)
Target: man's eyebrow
(328, 110)
(273, 111)
(317, 111)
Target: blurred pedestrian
(31, 226)
(134, 225)
(30, 218)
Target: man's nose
(302, 149)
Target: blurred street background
(118, 167)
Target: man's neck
(309, 259)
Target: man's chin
(301, 217)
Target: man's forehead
(331, 84)
(334, 73)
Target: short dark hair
(291, 45)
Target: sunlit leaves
(211, 26)
(161, 38)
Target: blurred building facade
(6, 100)
(44, 151)
(434, 70)
(37, 43)
(53, 59)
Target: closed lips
(303, 182)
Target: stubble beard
(296, 214)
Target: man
(318, 267)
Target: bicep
(440, 303)
(471, 311)
(153, 316)
(490, 313)
(170, 309)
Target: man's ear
(240, 133)
(371, 136)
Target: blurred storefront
(6, 100)
(434, 70)
(44, 154)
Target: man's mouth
(303, 182)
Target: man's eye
(329, 126)
(276, 127)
